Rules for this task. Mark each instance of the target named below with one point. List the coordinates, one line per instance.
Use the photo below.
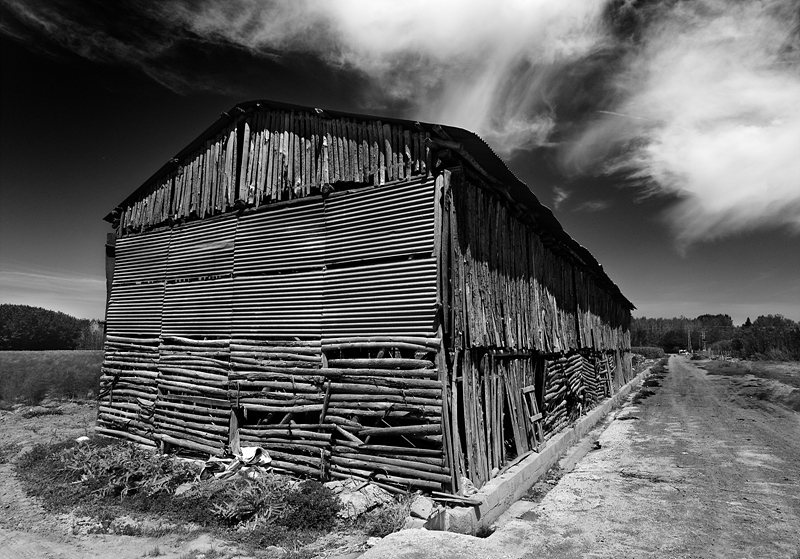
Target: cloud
(496, 68)
(593, 206)
(710, 115)
(76, 294)
(560, 196)
(694, 100)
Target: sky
(663, 134)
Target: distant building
(358, 295)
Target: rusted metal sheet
(380, 299)
(202, 249)
(290, 237)
(279, 305)
(198, 307)
(135, 308)
(142, 258)
(391, 221)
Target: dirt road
(700, 468)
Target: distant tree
(747, 323)
(26, 327)
(771, 337)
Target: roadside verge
(501, 492)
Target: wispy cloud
(80, 295)
(710, 114)
(593, 206)
(560, 196)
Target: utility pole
(689, 339)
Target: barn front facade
(362, 297)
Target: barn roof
(465, 144)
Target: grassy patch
(30, 376)
(106, 479)
(787, 373)
(385, 519)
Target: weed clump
(387, 518)
(104, 479)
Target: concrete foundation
(499, 493)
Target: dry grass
(30, 376)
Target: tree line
(767, 337)
(35, 328)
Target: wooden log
(431, 342)
(164, 419)
(390, 449)
(374, 477)
(385, 406)
(131, 340)
(283, 409)
(195, 435)
(274, 361)
(393, 412)
(412, 460)
(301, 384)
(298, 459)
(427, 429)
(384, 465)
(197, 410)
(129, 374)
(124, 435)
(217, 403)
(385, 398)
(347, 435)
(256, 354)
(139, 347)
(191, 445)
(295, 468)
(193, 389)
(211, 378)
(326, 403)
(377, 345)
(385, 363)
(371, 389)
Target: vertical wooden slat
(242, 194)
(380, 178)
(297, 176)
(387, 149)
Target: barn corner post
(366, 298)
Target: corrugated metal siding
(395, 220)
(199, 307)
(135, 308)
(285, 238)
(380, 299)
(141, 258)
(282, 305)
(202, 249)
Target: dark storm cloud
(695, 100)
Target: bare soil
(28, 531)
(693, 466)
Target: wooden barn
(360, 296)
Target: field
(31, 376)
(774, 381)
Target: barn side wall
(308, 328)
(529, 332)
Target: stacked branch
(128, 388)
(192, 410)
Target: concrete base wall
(499, 493)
